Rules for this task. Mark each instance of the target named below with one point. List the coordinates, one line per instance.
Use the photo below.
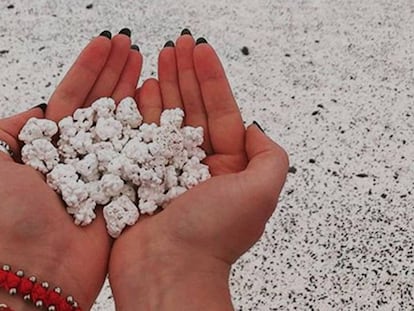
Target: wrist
(152, 286)
(168, 278)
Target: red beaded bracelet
(37, 293)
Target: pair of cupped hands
(180, 257)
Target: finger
(78, 82)
(10, 129)
(195, 113)
(128, 82)
(224, 120)
(168, 77)
(111, 73)
(150, 101)
(267, 168)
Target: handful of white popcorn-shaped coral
(106, 156)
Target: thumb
(10, 128)
(268, 165)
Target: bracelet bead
(4, 307)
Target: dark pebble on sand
(245, 50)
(292, 170)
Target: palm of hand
(210, 220)
(39, 225)
(37, 233)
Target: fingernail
(126, 32)
(42, 106)
(201, 41)
(169, 44)
(186, 31)
(135, 47)
(258, 125)
(106, 33)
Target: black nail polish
(135, 47)
(126, 32)
(258, 125)
(42, 106)
(186, 31)
(106, 33)
(201, 41)
(169, 44)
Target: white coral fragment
(67, 128)
(172, 117)
(118, 214)
(81, 142)
(193, 137)
(96, 193)
(87, 167)
(61, 175)
(128, 114)
(104, 108)
(148, 132)
(73, 193)
(37, 129)
(194, 172)
(108, 128)
(112, 185)
(137, 151)
(41, 155)
(147, 207)
(106, 156)
(84, 118)
(84, 213)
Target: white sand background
(331, 81)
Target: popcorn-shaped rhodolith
(37, 129)
(128, 114)
(106, 157)
(118, 214)
(104, 108)
(41, 155)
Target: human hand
(36, 233)
(180, 258)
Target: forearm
(155, 288)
